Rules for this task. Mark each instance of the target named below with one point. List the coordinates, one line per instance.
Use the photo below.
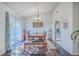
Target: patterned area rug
(33, 51)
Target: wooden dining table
(40, 36)
(43, 43)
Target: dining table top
(37, 35)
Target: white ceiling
(26, 9)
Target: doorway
(57, 32)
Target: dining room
(38, 28)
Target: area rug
(51, 51)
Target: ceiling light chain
(38, 14)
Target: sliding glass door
(13, 31)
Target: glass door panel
(13, 31)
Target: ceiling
(26, 9)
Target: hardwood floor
(62, 51)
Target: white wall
(3, 9)
(45, 19)
(64, 13)
(76, 15)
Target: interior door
(57, 32)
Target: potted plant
(74, 34)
